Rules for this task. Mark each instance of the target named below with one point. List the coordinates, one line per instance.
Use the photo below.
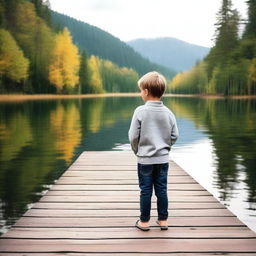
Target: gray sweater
(152, 132)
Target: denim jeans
(153, 175)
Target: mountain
(170, 52)
(96, 41)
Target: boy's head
(154, 83)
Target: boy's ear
(146, 92)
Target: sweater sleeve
(175, 131)
(134, 132)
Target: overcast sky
(188, 20)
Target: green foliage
(250, 30)
(84, 74)
(116, 79)
(13, 64)
(229, 67)
(192, 81)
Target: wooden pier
(92, 209)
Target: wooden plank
(113, 181)
(171, 193)
(124, 222)
(122, 198)
(124, 245)
(126, 233)
(120, 176)
(105, 205)
(122, 213)
(84, 173)
(122, 187)
(124, 254)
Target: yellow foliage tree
(13, 64)
(95, 78)
(65, 61)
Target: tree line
(38, 57)
(230, 66)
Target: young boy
(152, 132)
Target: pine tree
(226, 31)
(250, 30)
(84, 75)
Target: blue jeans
(153, 175)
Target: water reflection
(65, 126)
(231, 126)
(39, 139)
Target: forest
(36, 56)
(230, 66)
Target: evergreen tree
(226, 35)
(84, 75)
(43, 10)
(13, 64)
(250, 30)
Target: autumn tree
(95, 77)
(13, 64)
(64, 66)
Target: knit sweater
(152, 132)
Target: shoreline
(25, 97)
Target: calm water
(40, 139)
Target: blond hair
(154, 82)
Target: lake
(39, 139)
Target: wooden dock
(93, 207)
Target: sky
(188, 20)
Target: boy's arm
(175, 132)
(134, 132)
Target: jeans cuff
(143, 219)
(162, 217)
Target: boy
(152, 132)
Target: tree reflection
(231, 125)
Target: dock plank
(122, 213)
(130, 232)
(108, 221)
(123, 205)
(129, 245)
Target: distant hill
(170, 52)
(96, 41)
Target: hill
(170, 52)
(96, 41)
